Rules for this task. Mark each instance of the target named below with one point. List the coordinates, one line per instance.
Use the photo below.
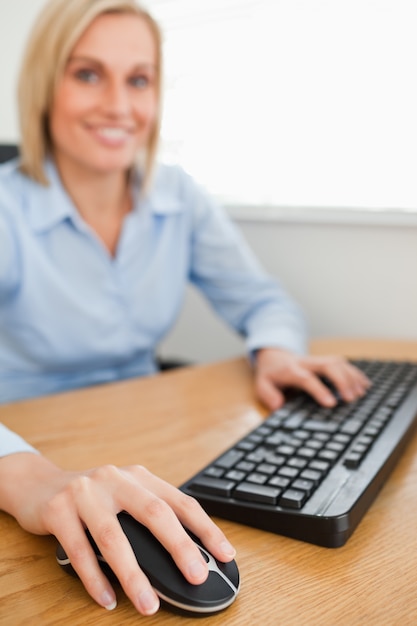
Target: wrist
(263, 354)
(24, 476)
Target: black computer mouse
(175, 592)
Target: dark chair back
(8, 151)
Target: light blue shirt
(71, 315)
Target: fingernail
(148, 602)
(227, 548)
(197, 570)
(108, 601)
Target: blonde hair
(55, 33)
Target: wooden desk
(175, 423)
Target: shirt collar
(50, 205)
(163, 197)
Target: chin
(109, 165)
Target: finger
(166, 516)
(70, 532)
(309, 382)
(349, 381)
(136, 496)
(116, 549)
(268, 392)
(97, 507)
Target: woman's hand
(45, 499)
(276, 370)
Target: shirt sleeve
(242, 293)
(10, 443)
(8, 252)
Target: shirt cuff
(10, 443)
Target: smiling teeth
(113, 133)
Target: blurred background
(299, 116)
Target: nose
(116, 100)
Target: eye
(140, 81)
(87, 76)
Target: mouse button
(214, 592)
(230, 571)
(149, 552)
(155, 561)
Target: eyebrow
(98, 63)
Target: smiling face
(106, 103)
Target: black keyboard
(310, 472)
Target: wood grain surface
(174, 424)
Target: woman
(96, 246)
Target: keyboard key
(256, 493)
(254, 438)
(229, 459)
(247, 445)
(279, 481)
(258, 456)
(293, 498)
(264, 430)
(275, 459)
(336, 446)
(303, 485)
(315, 444)
(319, 426)
(213, 486)
(328, 455)
(289, 472)
(307, 453)
(275, 440)
(341, 438)
(321, 466)
(312, 475)
(352, 460)
(321, 437)
(235, 475)
(351, 427)
(301, 434)
(371, 431)
(216, 472)
(295, 420)
(286, 450)
(267, 468)
(258, 479)
(297, 462)
(366, 440)
(245, 466)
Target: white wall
(351, 279)
(15, 21)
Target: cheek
(62, 112)
(68, 106)
(146, 110)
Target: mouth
(112, 135)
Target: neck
(102, 200)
